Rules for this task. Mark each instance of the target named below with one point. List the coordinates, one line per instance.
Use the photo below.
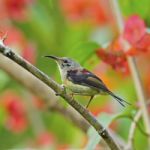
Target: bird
(81, 81)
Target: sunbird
(80, 81)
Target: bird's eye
(65, 61)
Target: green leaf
(2, 116)
(83, 51)
(105, 119)
(129, 7)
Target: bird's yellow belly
(81, 90)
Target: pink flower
(84, 10)
(16, 120)
(135, 33)
(16, 8)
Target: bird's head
(65, 63)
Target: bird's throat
(63, 73)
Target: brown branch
(38, 88)
(41, 90)
(6, 51)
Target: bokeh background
(77, 29)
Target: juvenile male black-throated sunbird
(80, 81)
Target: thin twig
(133, 127)
(132, 131)
(133, 67)
(6, 51)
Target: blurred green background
(76, 29)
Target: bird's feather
(87, 78)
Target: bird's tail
(120, 100)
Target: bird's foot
(63, 90)
(57, 94)
(72, 98)
(89, 102)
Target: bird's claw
(63, 89)
(57, 94)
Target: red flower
(3, 13)
(16, 40)
(16, 8)
(16, 120)
(79, 10)
(117, 61)
(134, 36)
(134, 29)
(63, 147)
(45, 139)
(39, 103)
(144, 43)
(29, 53)
(135, 33)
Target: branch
(41, 90)
(132, 130)
(6, 51)
(135, 124)
(37, 87)
(133, 67)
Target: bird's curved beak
(53, 57)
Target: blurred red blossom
(29, 53)
(39, 103)
(144, 43)
(18, 41)
(45, 139)
(134, 29)
(14, 36)
(48, 140)
(16, 120)
(16, 9)
(118, 61)
(78, 10)
(63, 147)
(3, 14)
(135, 36)
(135, 33)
